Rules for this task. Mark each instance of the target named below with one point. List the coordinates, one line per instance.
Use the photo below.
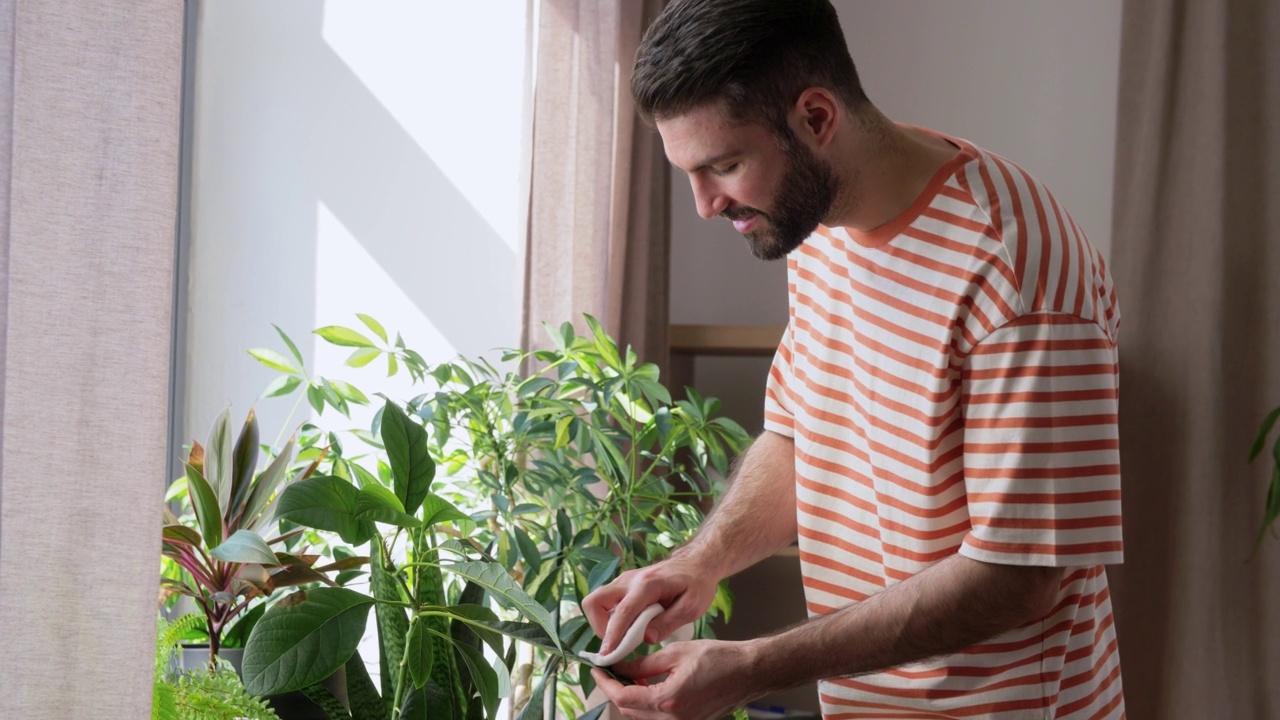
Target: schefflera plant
(227, 564)
(430, 652)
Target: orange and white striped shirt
(950, 380)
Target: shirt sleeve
(1041, 444)
(779, 412)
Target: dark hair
(755, 55)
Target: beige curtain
(598, 230)
(89, 118)
(1196, 258)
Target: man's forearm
(955, 604)
(757, 514)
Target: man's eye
(726, 169)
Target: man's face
(775, 192)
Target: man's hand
(704, 679)
(679, 584)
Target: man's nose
(709, 199)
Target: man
(941, 412)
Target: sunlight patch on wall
(447, 72)
(350, 281)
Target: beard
(805, 195)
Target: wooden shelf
(742, 340)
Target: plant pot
(289, 706)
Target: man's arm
(948, 607)
(755, 517)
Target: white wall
(1033, 81)
(350, 157)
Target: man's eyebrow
(718, 159)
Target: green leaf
(282, 385)
(1267, 424)
(346, 337)
(217, 459)
(327, 702)
(411, 466)
(376, 503)
(362, 695)
(602, 573)
(293, 349)
(494, 578)
(349, 392)
(274, 360)
(436, 509)
(392, 367)
(244, 546)
(265, 486)
(393, 622)
(297, 645)
(363, 356)
(420, 654)
(181, 534)
(373, 325)
(562, 432)
(595, 712)
(485, 677)
(315, 396)
(205, 503)
(244, 461)
(524, 632)
(324, 502)
(528, 550)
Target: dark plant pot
(289, 706)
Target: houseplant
(210, 692)
(573, 463)
(225, 564)
(429, 646)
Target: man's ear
(815, 116)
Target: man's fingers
(635, 701)
(648, 666)
(672, 618)
(598, 605)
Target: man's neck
(888, 166)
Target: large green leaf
(244, 546)
(412, 468)
(205, 502)
(300, 644)
(217, 458)
(376, 503)
(494, 578)
(325, 502)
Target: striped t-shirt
(950, 382)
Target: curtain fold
(1196, 256)
(89, 128)
(598, 232)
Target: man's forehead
(705, 135)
